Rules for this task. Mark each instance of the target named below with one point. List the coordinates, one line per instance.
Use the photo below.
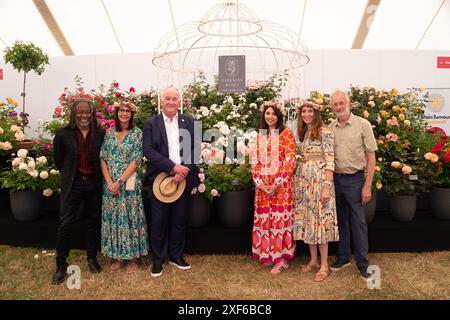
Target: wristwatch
(120, 181)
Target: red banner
(1, 74)
(443, 62)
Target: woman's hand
(114, 188)
(273, 188)
(325, 196)
(263, 188)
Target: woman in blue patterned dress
(124, 230)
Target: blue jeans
(350, 215)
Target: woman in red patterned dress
(273, 164)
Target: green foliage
(26, 57)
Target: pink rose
(406, 170)
(214, 193)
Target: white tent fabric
(134, 26)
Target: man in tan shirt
(354, 153)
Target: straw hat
(166, 190)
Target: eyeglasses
(125, 110)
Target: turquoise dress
(124, 230)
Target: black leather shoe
(338, 265)
(156, 270)
(180, 263)
(60, 274)
(93, 265)
(364, 273)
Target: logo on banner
(436, 102)
(232, 74)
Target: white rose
(16, 162)
(47, 192)
(53, 171)
(230, 100)
(203, 93)
(42, 160)
(43, 175)
(23, 166)
(253, 105)
(15, 128)
(19, 136)
(22, 153)
(205, 112)
(34, 173)
(31, 165)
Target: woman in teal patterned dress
(124, 230)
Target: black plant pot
(440, 203)
(370, 208)
(199, 210)
(25, 205)
(235, 209)
(5, 208)
(402, 208)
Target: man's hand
(325, 196)
(263, 188)
(366, 194)
(178, 178)
(181, 170)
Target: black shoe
(364, 273)
(93, 265)
(60, 274)
(180, 263)
(156, 270)
(338, 265)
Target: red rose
(438, 164)
(440, 144)
(436, 150)
(117, 94)
(132, 89)
(116, 84)
(446, 158)
(444, 137)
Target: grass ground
(403, 276)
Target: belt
(348, 174)
(85, 177)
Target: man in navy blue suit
(170, 148)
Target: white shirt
(173, 138)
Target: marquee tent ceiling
(81, 27)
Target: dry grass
(403, 276)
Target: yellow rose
(319, 101)
(379, 185)
(10, 100)
(403, 110)
(384, 113)
(365, 114)
(396, 164)
(387, 103)
(401, 117)
(380, 159)
(421, 89)
(396, 108)
(394, 92)
(377, 168)
(407, 123)
(378, 120)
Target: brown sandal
(308, 267)
(321, 275)
(117, 264)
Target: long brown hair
(302, 128)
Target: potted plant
(29, 179)
(26, 57)
(439, 156)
